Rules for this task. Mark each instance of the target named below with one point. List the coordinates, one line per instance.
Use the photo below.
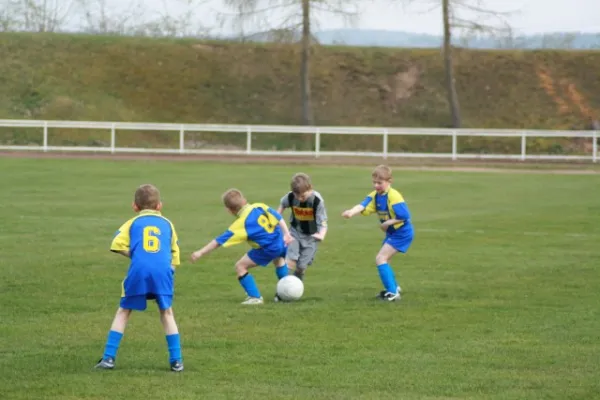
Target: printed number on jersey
(151, 242)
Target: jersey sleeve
(285, 201)
(321, 217)
(398, 205)
(271, 213)
(121, 240)
(235, 234)
(369, 204)
(274, 213)
(175, 253)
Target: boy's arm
(121, 240)
(287, 237)
(212, 245)
(366, 207)
(175, 252)
(122, 252)
(283, 204)
(357, 209)
(321, 219)
(232, 236)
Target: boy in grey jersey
(308, 222)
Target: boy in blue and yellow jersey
(265, 230)
(150, 241)
(394, 217)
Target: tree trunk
(307, 115)
(452, 95)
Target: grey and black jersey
(307, 217)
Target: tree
(35, 15)
(467, 17)
(132, 18)
(293, 16)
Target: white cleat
(253, 301)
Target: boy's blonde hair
(300, 183)
(147, 197)
(234, 200)
(382, 172)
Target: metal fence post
(523, 146)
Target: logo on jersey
(303, 214)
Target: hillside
(79, 77)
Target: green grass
(88, 77)
(501, 289)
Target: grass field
(501, 301)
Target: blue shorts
(139, 303)
(264, 257)
(400, 243)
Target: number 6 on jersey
(150, 240)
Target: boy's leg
(171, 333)
(308, 249)
(293, 253)
(281, 267)
(113, 340)
(386, 274)
(246, 280)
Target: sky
(526, 16)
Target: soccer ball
(290, 288)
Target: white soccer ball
(290, 288)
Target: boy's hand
(287, 239)
(347, 214)
(196, 255)
(318, 236)
(385, 225)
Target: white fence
(251, 130)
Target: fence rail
(250, 130)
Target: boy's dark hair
(147, 197)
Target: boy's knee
(241, 268)
(124, 311)
(380, 259)
(168, 312)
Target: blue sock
(249, 285)
(281, 271)
(112, 344)
(387, 277)
(174, 347)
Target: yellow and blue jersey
(389, 205)
(257, 224)
(153, 247)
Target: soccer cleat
(388, 296)
(381, 294)
(277, 299)
(106, 363)
(253, 300)
(176, 366)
